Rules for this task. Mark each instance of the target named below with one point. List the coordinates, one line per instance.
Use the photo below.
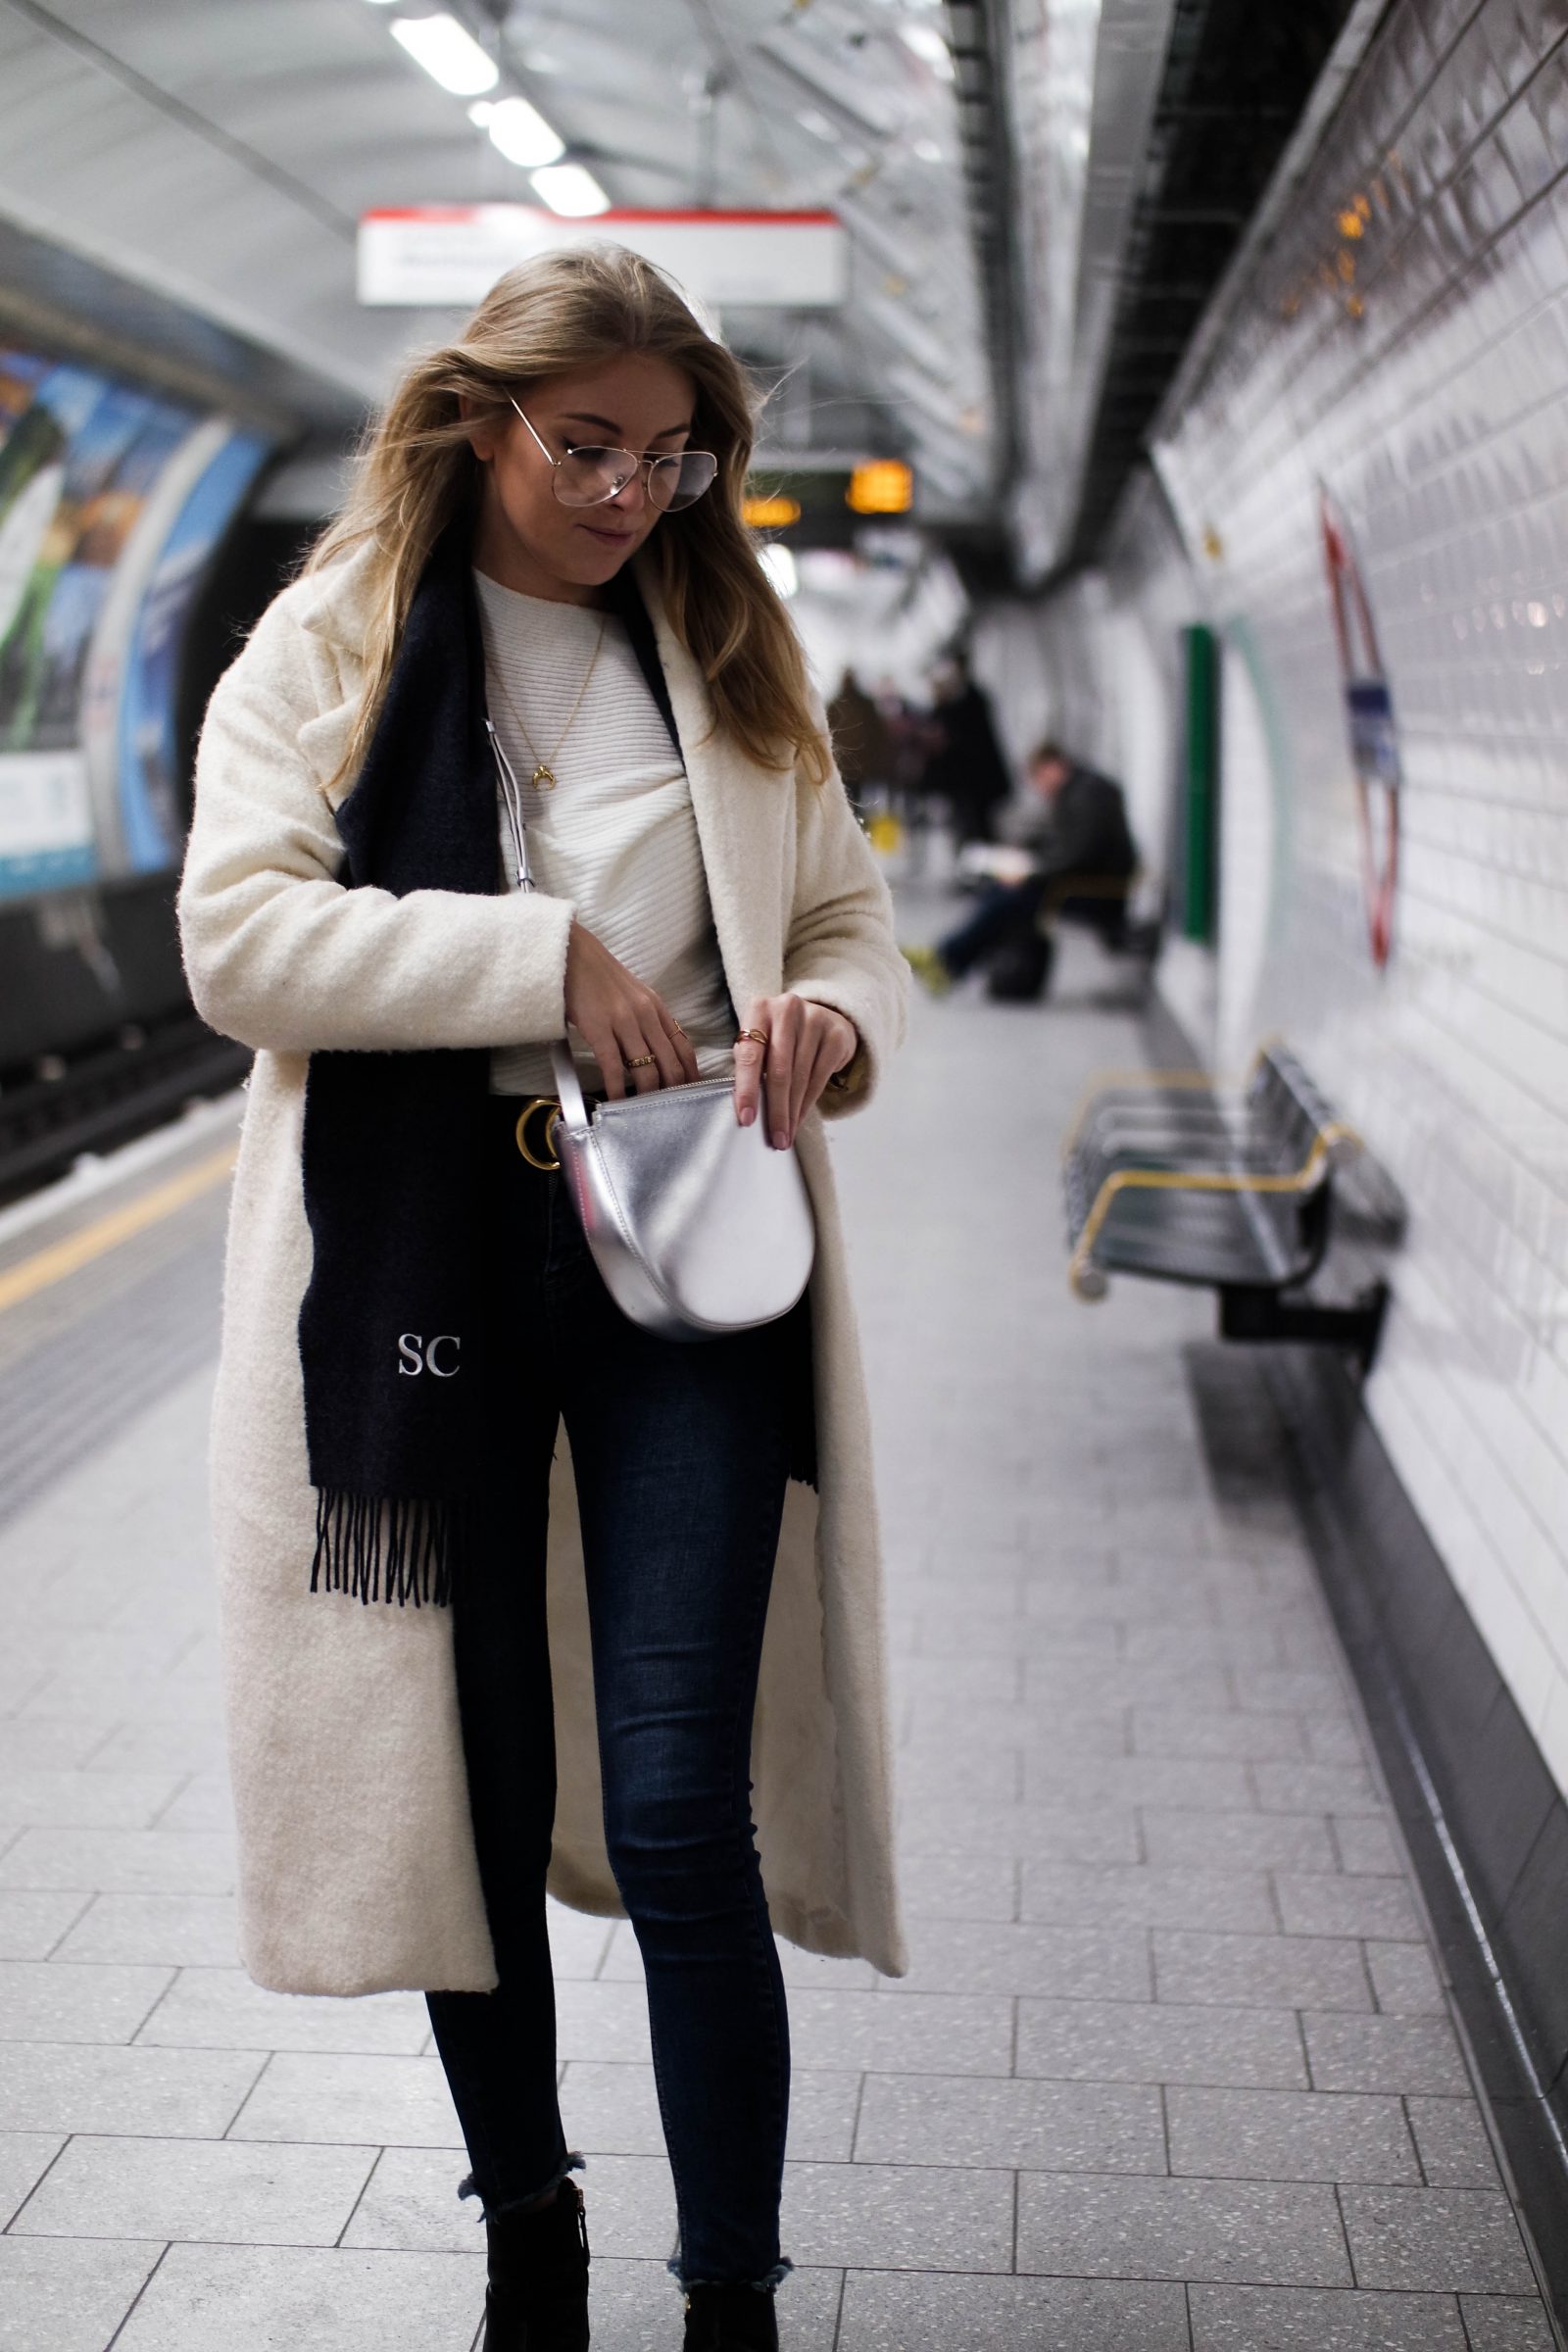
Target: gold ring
(545, 1103)
(639, 1061)
(759, 1037)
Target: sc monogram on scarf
(418, 1355)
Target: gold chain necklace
(544, 777)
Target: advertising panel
(111, 499)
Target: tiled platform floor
(1172, 2071)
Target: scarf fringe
(398, 1548)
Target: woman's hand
(807, 1043)
(623, 1020)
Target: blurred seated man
(1081, 834)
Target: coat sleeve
(279, 953)
(841, 950)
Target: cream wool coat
(356, 1861)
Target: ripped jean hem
(764, 2286)
(572, 2162)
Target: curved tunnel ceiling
(1040, 195)
(220, 155)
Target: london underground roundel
(1374, 736)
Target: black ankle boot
(537, 2298)
(730, 2318)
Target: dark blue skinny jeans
(680, 1452)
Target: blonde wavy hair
(546, 317)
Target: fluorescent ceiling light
(928, 45)
(448, 54)
(522, 134)
(569, 189)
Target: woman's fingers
(624, 1021)
(654, 1040)
(805, 1047)
(684, 1051)
(813, 1063)
(662, 1036)
(749, 1059)
(817, 1078)
(640, 1052)
(602, 1046)
(783, 1042)
(665, 1045)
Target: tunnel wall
(1391, 364)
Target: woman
(432, 1611)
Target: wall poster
(111, 500)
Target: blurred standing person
(862, 743)
(968, 767)
(914, 737)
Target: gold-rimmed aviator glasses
(588, 476)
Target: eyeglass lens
(587, 477)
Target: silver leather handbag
(697, 1225)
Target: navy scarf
(392, 1140)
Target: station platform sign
(437, 256)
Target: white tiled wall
(1420, 370)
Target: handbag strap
(568, 1085)
(512, 801)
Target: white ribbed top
(616, 836)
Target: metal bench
(1168, 1178)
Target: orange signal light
(885, 486)
(770, 513)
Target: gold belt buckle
(547, 1104)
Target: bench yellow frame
(1088, 1282)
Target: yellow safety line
(78, 1250)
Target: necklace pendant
(543, 778)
